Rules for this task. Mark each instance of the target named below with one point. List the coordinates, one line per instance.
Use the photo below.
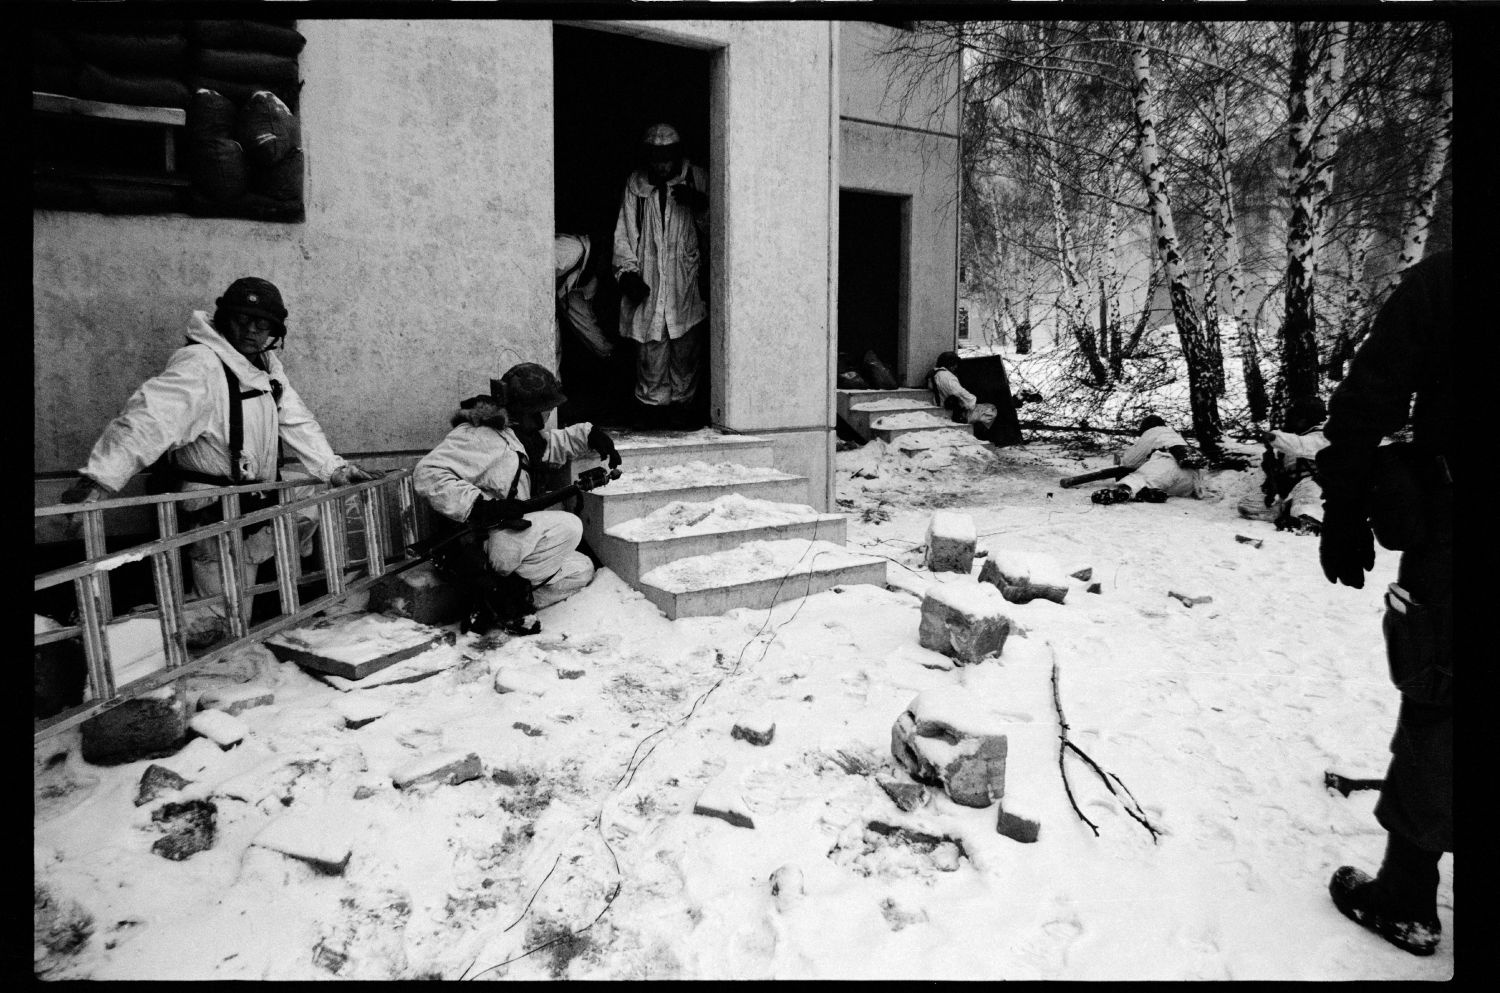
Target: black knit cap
(528, 388)
(254, 297)
(947, 360)
(1151, 421)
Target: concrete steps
(681, 530)
(713, 521)
(756, 575)
(863, 415)
(844, 400)
(892, 426)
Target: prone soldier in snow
(1159, 465)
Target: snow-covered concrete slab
(323, 836)
(756, 575)
(892, 426)
(220, 727)
(966, 620)
(360, 709)
(355, 645)
(638, 493)
(951, 538)
(846, 400)
(450, 767)
(236, 699)
(723, 798)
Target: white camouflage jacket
(477, 460)
(185, 409)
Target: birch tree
(1202, 398)
(1299, 350)
(1414, 231)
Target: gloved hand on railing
(83, 490)
(605, 446)
(351, 473)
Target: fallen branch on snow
(1133, 808)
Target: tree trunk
(1075, 309)
(1112, 269)
(1200, 377)
(1234, 277)
(1328, 121)
(1211, 312)
(1414, 232)
(1299, 350)
(1355, 305)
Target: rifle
(1275, 485)
(1111, 472)
(589, 479)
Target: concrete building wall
(423, 265)
(898, 134)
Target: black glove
(605, 446)
(633, 287)
(1347, 549)
(80, 491)
(493, 513)
(690, 197)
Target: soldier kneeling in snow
(514, 562)
(1293, 497)
(950, 394)
(1163, 466)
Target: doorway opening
(872, 280)
(608, 89)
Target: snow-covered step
(861, 415)
(682, 530)
(658, 449)
(892, 426)
(757, 575)
(846, 399)
(640, 491)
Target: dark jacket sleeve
(1374, 400)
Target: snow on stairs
(701, 523)
(889, 427)
(859, 407)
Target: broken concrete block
(968, 765)
(1189, 601)
(721, 798)
(235, 700)
(353, 646)
(950, 542)
(363, 792)
(156, 781)
(322, 837)
(1095, 588)
(150, 726)
(964, 620)
(531, 678)
(419, 594)
(189, 827)
(357, 710)
(1016, 827)
(1082, 575)
(907, 796)
(756, 732)
(1023, 578)
(1247, 540)
(223, 729)
(443, 767)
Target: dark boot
(1149, 494)
(1111, 494)
(510, 598)
(1400, 904)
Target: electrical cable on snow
(631, 766)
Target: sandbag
(250, 36)
(143, 91)
(876, 373)
(145, 54)
(50, 78)
(245, 67)
(267, 129)
(282, 181)
(52, 48)
(131, 198)
(241, 92)
(210, 114)
(219, 168)
(51, 193)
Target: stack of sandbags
(239, 58)
(139, 62)
(54, 63)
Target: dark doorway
(870, 279)
(608, 89)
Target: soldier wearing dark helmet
(214, 417)
(486, 465)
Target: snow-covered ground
(1221, 719)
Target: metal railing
(341, 575)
